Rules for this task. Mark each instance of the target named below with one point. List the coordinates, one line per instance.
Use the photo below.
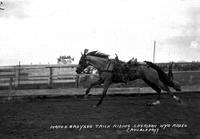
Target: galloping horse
(108, 75)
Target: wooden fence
(36, 75)
(48, 76)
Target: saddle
(119, 68)
(121, 71)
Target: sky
(39, 31)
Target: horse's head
(83, 64)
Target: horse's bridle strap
(107, 68)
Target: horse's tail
(176, 86)
(162, 75)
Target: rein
(107, 67)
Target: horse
(108, 74)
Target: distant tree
(65, 60)
(0, 5)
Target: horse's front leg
(105, 88)
(98, 82)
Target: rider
(122, 69)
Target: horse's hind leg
(166, 88)
(157, 89)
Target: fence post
(11, 83)
(50, 82)
(77, 81)
(18, 76)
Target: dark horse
(108, 74)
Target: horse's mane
(98, 54)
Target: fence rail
(28, 76)
(17, 76)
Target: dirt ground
(119, 117)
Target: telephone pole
(154, 51)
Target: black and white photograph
(100, 69)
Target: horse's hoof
(154, 103)
(157, 102)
